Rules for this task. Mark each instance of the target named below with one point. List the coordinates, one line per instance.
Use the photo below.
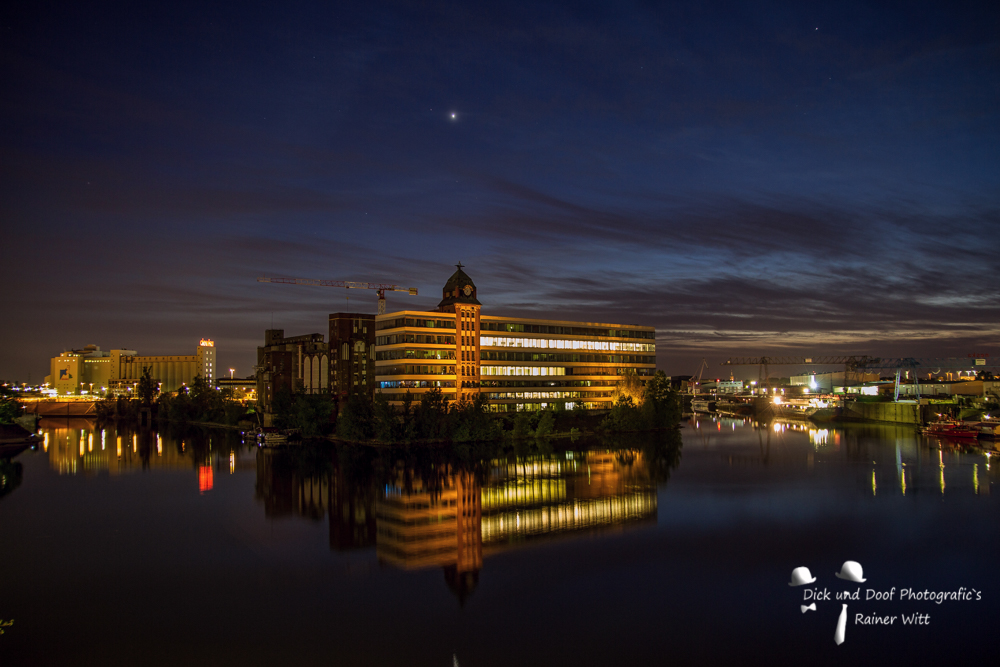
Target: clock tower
(459, 297)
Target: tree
(662, 406)
(356, 420)
(281, 406)
(10, 407)
(431, 415)
(387, 425)
(147, 389)
(624, 416)
(629, 385)
(311, 413)
(471, 422)
(546, 424)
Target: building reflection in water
(82, 446)
(440, 513)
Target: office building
(518, 363)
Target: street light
(231, 371)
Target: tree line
(636, 407)
(201, 402)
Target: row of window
(415, 370)
(397, 339)
(565, 331)
(518, 327)
(523, 370)
(412, 322)
(414, 354)
(535, 407)
(556, 357)
(548, 383)
(415, 384)
(546, 343)
(544, 395)
(512, 371)
(606, 370)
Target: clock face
(467, 290)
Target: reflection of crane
(381, 288)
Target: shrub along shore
(433, 419)
(363, 419)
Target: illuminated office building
(95, 371)
(518, 363)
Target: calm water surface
(189, 547)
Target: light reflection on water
(736, 503)
(72, 448)
(438, 512)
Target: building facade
(352, 354)
(92, 370)
(296, 363)
(518, 363)
(243, 389)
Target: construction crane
(850, 363)
(696, 379)
(380, 288)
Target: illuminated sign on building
(206, 342)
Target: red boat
(951, 429)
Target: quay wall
(63, 408)
(896, 413)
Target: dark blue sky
(747, 177)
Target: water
(188, 547)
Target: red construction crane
(381, 288)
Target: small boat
(270, 437)
(14, 440)
(702, 405)
(949, 428)
(815, 409)
(734, 405)
(989, 428)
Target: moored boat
(988, 428)
(703, 405)
(271, 437)
(735, 405)
(817, 409)
(949, 428)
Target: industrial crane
(861, 363)
(696, 379)
(380, 288)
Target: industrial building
(296, 363)
(352, 353)
(92, 370)
(518, 363)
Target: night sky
(746, 177)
